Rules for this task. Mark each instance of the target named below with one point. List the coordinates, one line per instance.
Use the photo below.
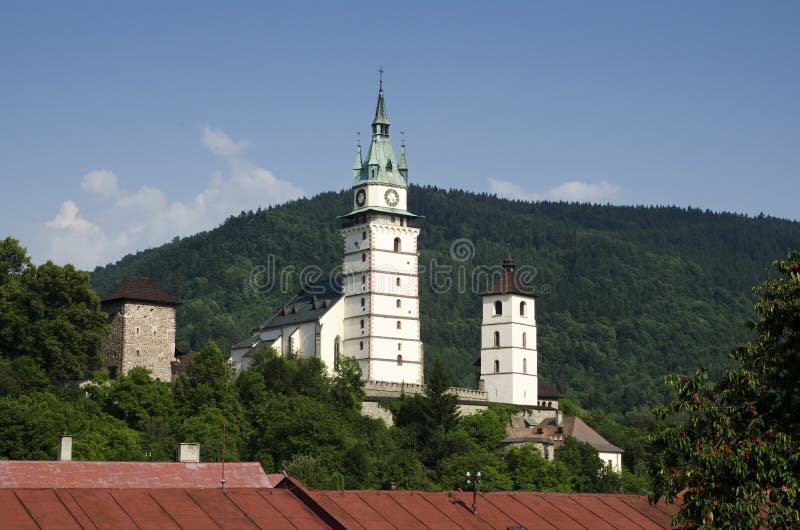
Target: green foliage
(627, 294)
(731, 445)
(589, 473)
(21, 375)
(530, 471)
(32, 423)
(49, 314)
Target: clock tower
(380, 264)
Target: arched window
(362, 323)
(364, 257)
(397, 246)
(398, 281)
(399, 360)
(363, 235)
(498, 308)
(497, 367)
(363, 278)
(361, 345)
(363, 302)
(337, 351)
(399, 346)
(398, 303)
(522, 307)
(399, 324)
(496, 339)
(524, 340)
(524, 365)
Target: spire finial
(358, 138)
(402, 138)
(380, 78)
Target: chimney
(389, 486)
(65, 448)
(188, 452)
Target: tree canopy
(731, 450)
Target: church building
(372, 312)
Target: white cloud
(571, 191)
(221, 144)
(147, 217)
(68, 218)
(101, 182)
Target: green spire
(403, 167)
(358, 163)
(380, 165)
(380, 115)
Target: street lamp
(475, 482)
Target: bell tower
(508, 340)
(380, 264)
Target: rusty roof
(140, 289)
(76, 474)
(293, 506)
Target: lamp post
(475, 481)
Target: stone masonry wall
(111, 345)
(148, 338)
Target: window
(291, 344)
(498, 308)
(112, 372)
(397, 245)
(363, 278)
(496, 339)
(497, 367)
(363, 235)
(524, 340)
(399, 360)
(361, 345)
(364, 257)
(363, 302)
(522, 307)
(362, 323)
(399, 346)
(524, 365)
(399, 324)
(398, 303)
(337, 351)
(397, 281)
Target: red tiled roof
(510, 282)
(75, 474)
(141, 289)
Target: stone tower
(508, 340)
(142, 318)
(380, 269)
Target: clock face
(361, 197)
(391, 197)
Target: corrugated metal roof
(293, 506)
(76, 474)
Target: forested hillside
(627, 294)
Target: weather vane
(358, 138)
(403, 138)
(380, 72)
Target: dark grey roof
(575, 427)
(547, 391)
(247, 343)
(308, 305)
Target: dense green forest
(626, 294)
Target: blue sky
(125, 124)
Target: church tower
(380, 264)
(508, 340)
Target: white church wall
(331, 325)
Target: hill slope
(627, 293)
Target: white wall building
(508, 341)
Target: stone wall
(143, 334)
